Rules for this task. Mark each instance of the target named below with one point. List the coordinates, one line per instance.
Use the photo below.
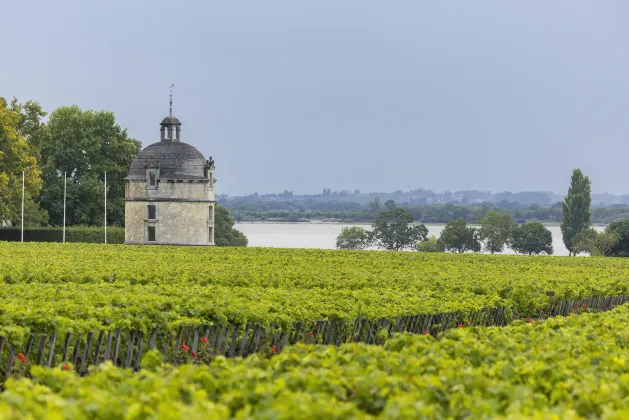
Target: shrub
(115, 235)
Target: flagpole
(105, 206)
(23, 206)
(64, 207)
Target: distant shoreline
(310, 222)
(325, 222)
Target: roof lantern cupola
(170, 127)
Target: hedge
(115, 235)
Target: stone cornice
(170, 181)
(172, 200)
(165, 244)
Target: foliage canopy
(532, 238)
(17, 156)
(84, 144)
(225, 234)
(394, 230)
(576, 208)
(458, 237)
(353, 237)
(495, 230)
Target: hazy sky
(375, 95)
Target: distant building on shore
(169, 193)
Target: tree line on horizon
(348, 211)
(74, 147)
(393, 229)
(422, 196)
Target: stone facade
(178, 220)
(169, 193)
(168, 190)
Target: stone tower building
(169, 193)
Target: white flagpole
(105, 206)
(64, 207)
(22, 206)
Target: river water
(323, 235)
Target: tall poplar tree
(576, 209)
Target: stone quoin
(169, 193)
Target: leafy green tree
(531, 238)
(606, 243)
(596, 244)
(394, 230)
(576, 208)
(431, 244)
(16, 156)
(31, 125)
(495, 230)
(85, 144)
(619, 228)
(458, 237)
(584, 242)
(353, 237)
(224, 233)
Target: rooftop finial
(171, 99)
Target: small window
(152, 179)
(151, 232)
(211, 214)
(151, 208)
(211, 231)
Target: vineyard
(562, 368)
(80, 288)
(92, 309)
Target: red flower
(184, 347)
(22, 357)
(309, 333)
(66, 367)
(585, 305)
(574, 307)
(274, 349)
(426, 332)
(204, 339)
(462, 325)
(194, 354)
(528, 319)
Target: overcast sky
(375, 95)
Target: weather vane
(171, 99)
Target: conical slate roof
(176, 160)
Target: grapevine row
(126, 348)
(567, 367)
